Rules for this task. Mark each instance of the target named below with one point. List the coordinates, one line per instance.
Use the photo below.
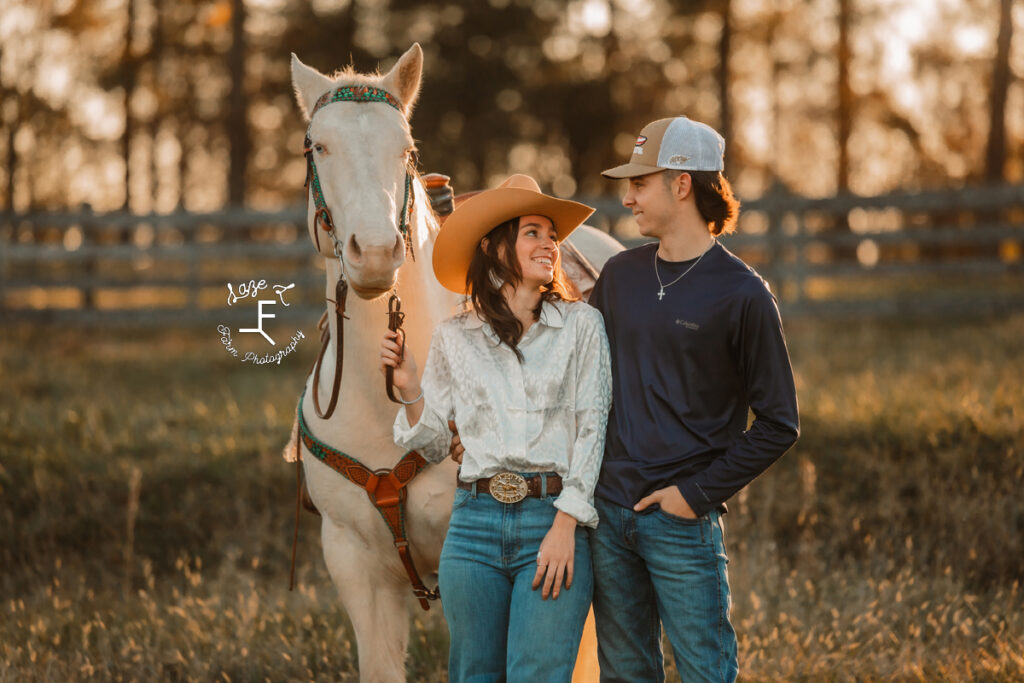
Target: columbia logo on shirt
(687, 324)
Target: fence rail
(952, 252)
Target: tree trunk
(156, 57)
(183, 126)
(725, 110)
(237, 130)
(995, 153)
(12, 153)
(128, 64)
(844, 114)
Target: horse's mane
(433, 220)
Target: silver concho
(508, 487)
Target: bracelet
(409, 403)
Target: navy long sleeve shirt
(685, 370)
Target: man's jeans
(500, 628)
(656, 568)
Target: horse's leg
(375, 605)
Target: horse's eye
(319, 148)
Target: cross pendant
(661, 295)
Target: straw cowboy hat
(473, 219)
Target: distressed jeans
(500, 628)
(654, 569)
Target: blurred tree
(128, 69)
(156, 57)
(9, 114)
(995, 151)
(844, 111)
(237, 118)
(151, 104)
(724, 79)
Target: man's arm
(768, 376)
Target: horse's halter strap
(322, 219)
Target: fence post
(799, 242)
(194, 257)
(4, 266)
(87, 227)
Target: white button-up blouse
(546, 414)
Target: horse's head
(361, 149)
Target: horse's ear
(309, 85)
(404, 78)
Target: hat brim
(472, 220)
(630, 171)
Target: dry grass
(145, 514)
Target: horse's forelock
(347, 75)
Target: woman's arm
(422, 425)
(593, 401)
(576, 502)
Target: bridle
(323, 220)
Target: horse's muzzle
(372, 292)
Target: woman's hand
(406, 376)
(555, 558)
(456, 449)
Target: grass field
(145, 514)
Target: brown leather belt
(510, 487)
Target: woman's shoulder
(459, 323)
(579, 312)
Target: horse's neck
(424, 302)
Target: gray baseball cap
(679, 143)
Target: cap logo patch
(638, 150)
(677, 159)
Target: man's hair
(497, 264)
(716, 203)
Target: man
(695, 339)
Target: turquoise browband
(356, 93)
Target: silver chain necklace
(661, 291)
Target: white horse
(361, 152)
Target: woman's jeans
(500, 628)
(653, 569)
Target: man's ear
(682, 186)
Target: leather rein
(386, 488)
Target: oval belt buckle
(508, 487)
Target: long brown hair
(497, 263)
(716, 202)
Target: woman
(525, 376)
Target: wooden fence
(943, 252)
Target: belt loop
(543, 484)
(472, 491)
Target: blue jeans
(653, 569)
(500, 628)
